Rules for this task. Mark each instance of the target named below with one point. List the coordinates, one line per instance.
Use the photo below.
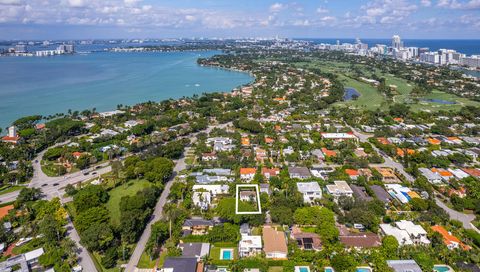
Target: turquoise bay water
(34, 85)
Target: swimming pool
(442, 268)
(304, 269)
(363, 269)
(328, 269)
(226, 254)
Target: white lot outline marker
(237, 196)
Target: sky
(94, 19)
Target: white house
(406, 233)
(203, 200)
(417, 233)
(431, 176)
(310, 191)
(340, 188)
(250, 245)
(214, 189)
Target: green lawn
(216, 249)
(275, 269)
(371, 99)
(128, 189)
(145, 261)
(97, 260)
(8, 189)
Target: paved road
(84, 258)
(466, 219)
(158, 212)
(388, 161)
(55, 187)
(47, 184)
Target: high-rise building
(66, 48)
(20, 48)
(472, 61)
(397, 42)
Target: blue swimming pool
(328, 269)
(441, 268)
(227, 254)
(363, 269)
(303, 269)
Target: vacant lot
(128, 189)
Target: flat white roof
(304, 187)
(338, 136)
(34, 254)
(251, 241)
(401, 235)
(410, 227)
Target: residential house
(360, 193)
(209, 156)
(352, 173)
(451, 241)
(265, 188)
(24, 262)
(248, 196)
(381, 194)
(299, 172)
(458, 173)
(250, 245)
(417, 233)
(444, 174)
(322, 172)
(338, 137)
(180, 264)
(202, 199)
(260, 154)
(358, 240)
(12, 136)
(318, 155)
(218, 171)
(270, 172)
(311, 191)
(247, 174)
(306, 240)
(339, 188)
(432, 177)
(197, 226)
(406, 233)
(275, 243)
(197, 250)
(401, 193)
(388, 175)
(472, 172)
(404, 266)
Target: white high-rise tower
(397, 42)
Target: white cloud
(276, 7)
(454, 4)
(131, 2)
(426, 3)
(10, 2)
(77, 3)
(322, 10)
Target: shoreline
(251, 81)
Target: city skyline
(87, 19)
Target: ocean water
(49, 85)
(469, 47)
